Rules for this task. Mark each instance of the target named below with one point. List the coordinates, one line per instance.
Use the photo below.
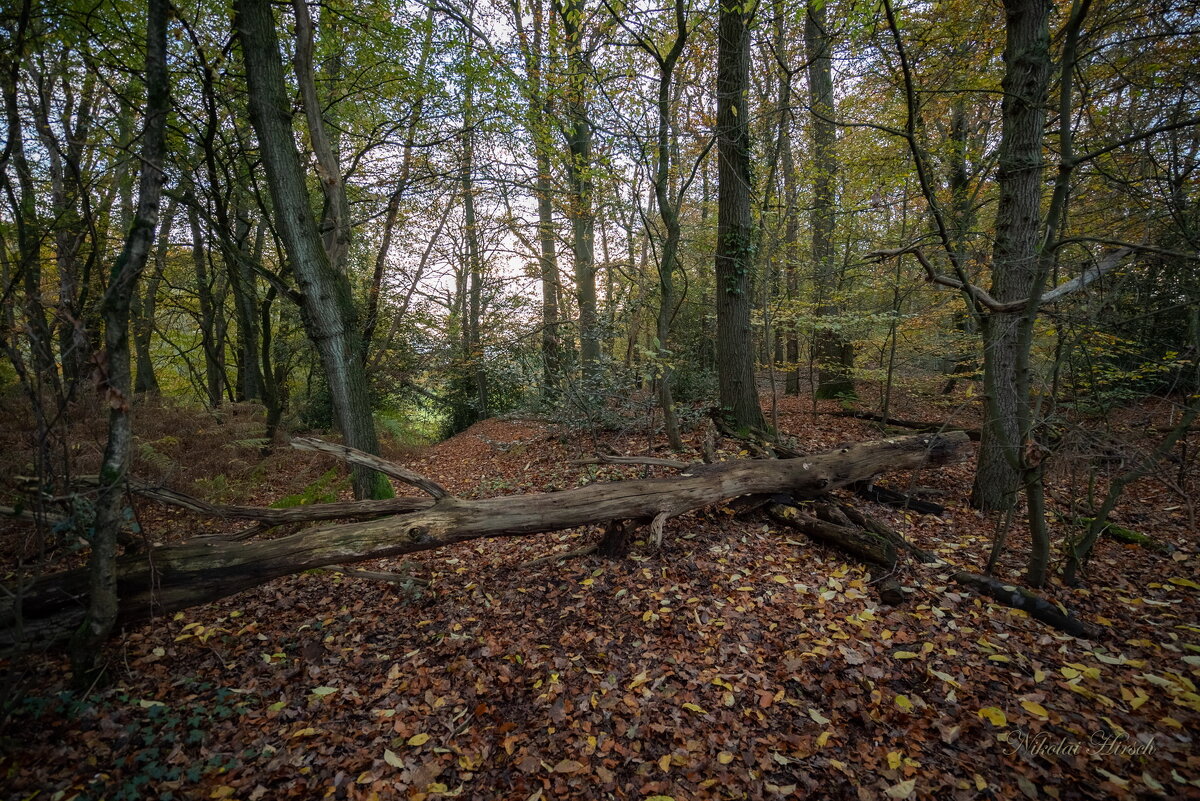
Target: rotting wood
(172, 577)
(916, 425)
(364, 459)
(889, 497)
(1037, 607)
(862, 545)
(305, 513)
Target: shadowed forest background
(686, 277)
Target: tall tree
(581, 208)
(833, 354)
(326, 303)
(117, 384)
(738, 392)
(1015, 258)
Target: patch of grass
(324, 490)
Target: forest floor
(739, 661)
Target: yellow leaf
(781, 579)
(418, 739)
(980, 783)
(903, 702)
(1070, 673)
(1035, 708)
(391, 758)
(894, 759)
(1182, 582)
(306, 732)
(999, 658)
(699, 710)
(904, 655)
(222, 791)
(823, 739)
(946, 677)
(724, 757)
(817, 716)
(995, 715)
(1039, 676)
(664, 763)
(1172, 722)
(902, 790)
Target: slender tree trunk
(326, 303)
(244, 285)
(145, 305)
(668, 212)
(474, 276)
(210, 336)
(791, 225)
(735, 236)
(103, 601)
(834, 354)
(371, 318)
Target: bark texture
(98, 617)
(1014, 255)
(735, 235)
(326, 304)
(173, 577)
(832, 352)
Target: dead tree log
(862, 545)
(306, 513)
(172, 577)
(917, 425)
(1036, 606)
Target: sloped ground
(741, 661)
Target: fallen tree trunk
(861, 544)
(917, 425)
(1036, 606)
(304, 513)
(168, 578)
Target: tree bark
(579, 173)
(738, 392)
(95, 622)
(832, 352)
(210, 340)
(326, 303)
(174, 577)
(145, 306)
(1014, 255)
(1037, 607)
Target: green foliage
(324, 490)
(162, 743)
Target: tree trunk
(791, 225)
(101, 576)
(145, 305)
(326, 303)
(668, 212)
(210, 340)
(579, 172)
(1014, 255)
(832, 352)
(738, 392)
(475, 357)
(178, 576)
(538, 114)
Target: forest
(548, 399)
